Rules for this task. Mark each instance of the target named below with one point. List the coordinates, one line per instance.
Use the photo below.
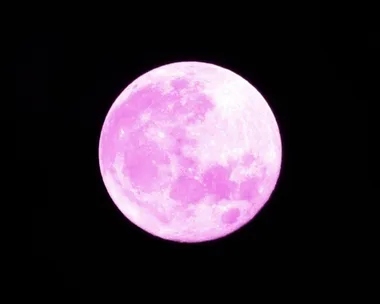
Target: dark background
(305, 63)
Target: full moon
(190, 152)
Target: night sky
(82, 247)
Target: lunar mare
(190, 152)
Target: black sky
(303, 62)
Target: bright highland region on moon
(190, 152)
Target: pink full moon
(190, 152)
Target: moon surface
(190, 152)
